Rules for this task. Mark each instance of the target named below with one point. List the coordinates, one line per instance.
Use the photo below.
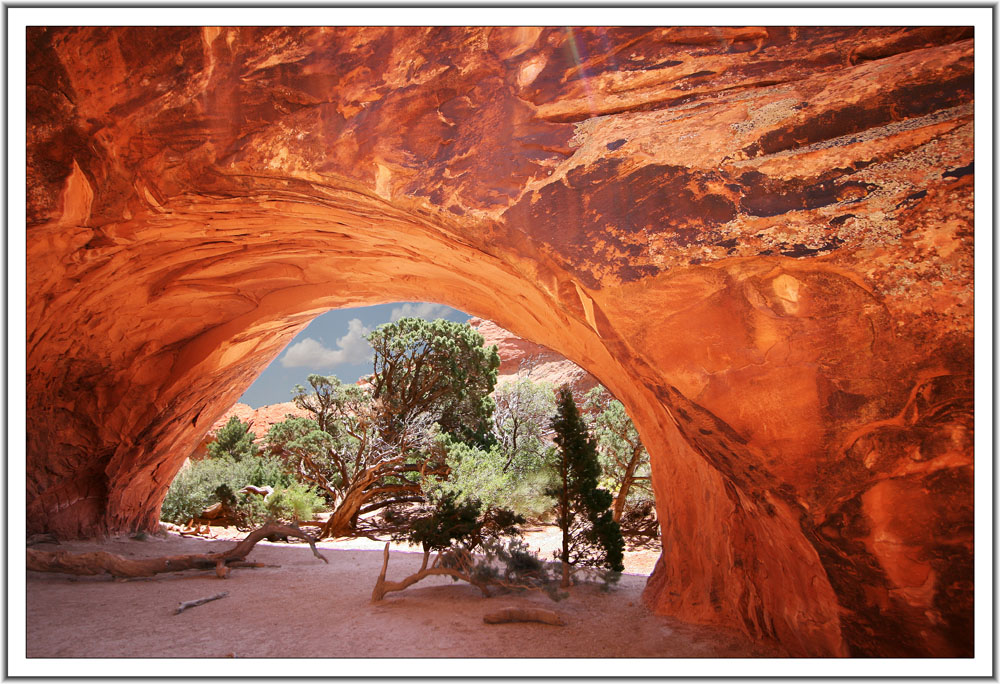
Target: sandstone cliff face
(759, 239)
(524, 358)
(260, 419)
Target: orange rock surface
(260, 419)
(759, 239)
(524, 358)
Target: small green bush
(211, 480)
(234, 440)
(479, 473)
(250, 511)
(294, 503)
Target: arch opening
(509, 469)
(334, 352)
(252, 308)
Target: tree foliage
(440, 368)
(484, 474)
(512, 471)
(524, 410)
(623, 458)
(234, 440)
(590, 536)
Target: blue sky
(334, 344)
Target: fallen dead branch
(197, 602)
(99, 562)
(524, 615)
(383, 587)
(483, 572)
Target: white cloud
(418, 310)
(351, 348)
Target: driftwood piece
(197, 602)
(383, 587)
(99, 562)
(524, 615)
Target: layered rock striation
(759, 239)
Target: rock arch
(759, 238)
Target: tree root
(524, 615)
(99, 562)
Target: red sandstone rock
(534, 361)
(760, 239)
(260, 419)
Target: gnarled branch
(100, 562)
(382, 587)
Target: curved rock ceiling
(760, 239)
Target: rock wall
(260, 419)
(759, 239)
(523, 358)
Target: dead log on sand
(44, 538)
(524, 615)
(197, 602)
(99, 562)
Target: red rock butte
(759, 239)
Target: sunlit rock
(759, 239)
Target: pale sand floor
(308, 609)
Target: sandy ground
(308, 609)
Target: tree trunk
(100, 562)
(341, 522)
(627, 481)
(564, 522)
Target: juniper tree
(372, 444)
(234, 440)
(621, 453)
(440, 368)
(590, 536)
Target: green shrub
(234, 440)
(294, 503)
(211, 480)
(481, 474)
(250, 511)
(194, 489)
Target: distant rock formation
(260, 418)
(534, 361)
